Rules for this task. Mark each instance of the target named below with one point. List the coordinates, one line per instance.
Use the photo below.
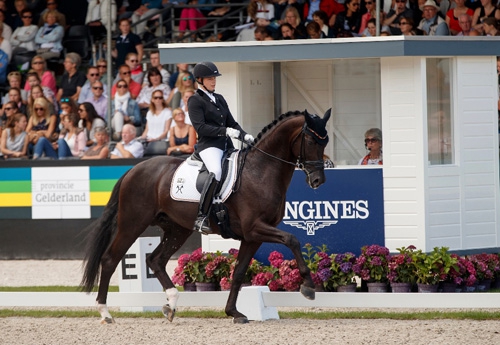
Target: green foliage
(434, 266)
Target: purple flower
(346, 267)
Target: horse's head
(312, 148)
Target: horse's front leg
(245, 254)
(268, 233)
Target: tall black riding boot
(201, 224)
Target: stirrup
(202, 226)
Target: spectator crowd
(51, 114)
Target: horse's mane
(281, 118)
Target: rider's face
(209, 83)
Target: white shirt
(156, 123)
(24, 37)
(134, 147)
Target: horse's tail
(99, 236)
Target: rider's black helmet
(206, 69)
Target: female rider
(213, 122)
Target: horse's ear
(306, 114)
(326, 117)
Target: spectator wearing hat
(432, 24)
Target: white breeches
(212, 157)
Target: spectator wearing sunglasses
(23, 39)
(98, 99)
(154, 84)
(184, 81)
(124, 109)
(136, 72)
(133, 87)
(395, 15)
(86, 91)
(373, 143)
(39, 66)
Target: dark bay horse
(142, 198)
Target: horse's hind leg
(173, 238)
(128, 231)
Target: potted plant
(280, 275)
(402, 270)
(484, 265)
(433, 268)
(254, 268)
(342, 268)
(183, 273)
(319, 262)
(373, 266)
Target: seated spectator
(154, 59)
(126, 8)
(347, 23)
(487, 9)
(133, 87)
(129, 147)
(127, 42)
(14, 79)
(7, 30)
(370, 13)
(52, 6)
(5, 44)
(14, 141)
(42, 123)
(293, 18)
(71, 142)
(37, 92)
(102, 66)
(49, 37)
(182, 135)
(72, 80)
(98, 17)
(99, 149)
(395, 15)
(260, 9)
(191, 18)
(68, 106)
(8, 111)
(158, 119)
(373, 143)
(287, 32)
(98, 100)
(432, 24)
(181, 67)
(33, 80)
(321, 18)
(371, 29)
(89, 121)
(147, 9)
(314, 30)
(184, 105)
(47, 78)
(407, 26)
(136, 73)
(14, 19)
(490, 27)
(184, 81)
(453, 15)
(261, 33)
(86, 91)
(14, 95)
(154, 78)
(23, 39)
(465, 22)
(124, 109)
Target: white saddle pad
(183, 186)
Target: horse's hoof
(168, 312)
(107, 321)
(308, 292)
(240, 320)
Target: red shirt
(133, 87)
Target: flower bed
(330, 271)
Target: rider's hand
(249, 138)
(232, 133)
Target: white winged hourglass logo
(310, 226)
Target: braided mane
(275, 122)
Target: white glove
(232, 133)
(249, 138)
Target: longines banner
(345, 213)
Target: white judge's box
(135, 275)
